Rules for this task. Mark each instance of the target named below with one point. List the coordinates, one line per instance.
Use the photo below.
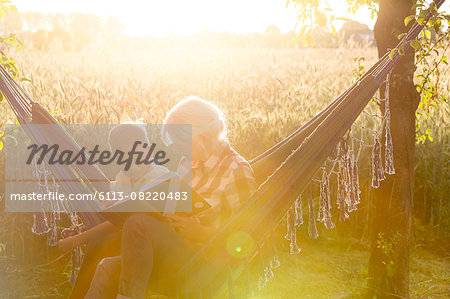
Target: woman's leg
(105, 282)
(100, 245)
(150, 250)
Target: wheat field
(265, 93)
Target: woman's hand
(190, 228)
(72, 231)
(70, 243)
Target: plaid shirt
(225, 180)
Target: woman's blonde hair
(206, 119)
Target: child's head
(208, 126)
(123, 136)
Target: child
(105, 237)
(122, 137)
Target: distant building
(357, 31)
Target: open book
(168, 193)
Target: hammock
(284, 172)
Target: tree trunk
(392, 203)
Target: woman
(152, 249)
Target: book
(168, 193)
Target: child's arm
(70, 243)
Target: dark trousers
(99, 246)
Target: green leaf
(408, 19)
(295, 40)
(401, 50)
(427, 34)
(416, 44)
(321, 18)
(333, 29)
(302, 30)
(304, 41)
(391, 55)
(434, 35)
(400, 36)
(1, 145)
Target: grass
(331, 266)
(334, 266)
(265, 94)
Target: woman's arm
(70, 243)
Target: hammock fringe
(377, 166)
(312, 227)
(389, 147)
(298, 211)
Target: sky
(159, 17)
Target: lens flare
(240, 244)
